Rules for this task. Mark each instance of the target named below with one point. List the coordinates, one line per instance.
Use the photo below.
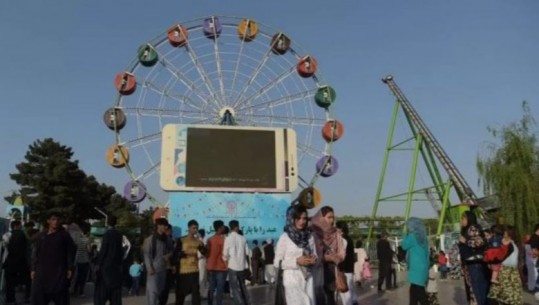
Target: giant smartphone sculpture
(228, 158)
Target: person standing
(202, 266)
(15, 265)
(416, 245)
(187, 281)
(156, 254)
(385, 259)
(52, 264)
(82, 260)
(108, 286)
(256, 263)
(508, 290)
(330, 249)
(295, 255)
(347, 266)
(216, 267)
(269, 257)
(235, 252)
(472, 245)
(171, 266)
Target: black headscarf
(472, 221)
(299, 237)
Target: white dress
(298, 289)
(358, 265)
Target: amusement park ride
(210, 99)
(424, 146)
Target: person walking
(330, 249)
(256, 263)
(82, 260)
(216, 267)
(361, 255)
(416, 245)
(135, 271)
(52, 264)
(269, 257)
(187, 281)
(156, 254)
(202, 266)
(108, 286)
(347, 266)
(385, 259)
(295, 254)
(235, 252)
(15, 265)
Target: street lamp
(104, 214)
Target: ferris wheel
(219, 70)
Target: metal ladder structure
(431, 152)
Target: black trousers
(103, 294)
(58, 298)
(384, 274)
(163, 298)
(187, 284)
(12, 280)
(418, 295)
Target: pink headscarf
(326, 236)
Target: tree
(510, 171)
(51, 181)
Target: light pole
(104, 214)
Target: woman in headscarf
(508, 290)
(295, 255)
(472, 245)
(416, 245)
(330, 249)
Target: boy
(135, 271)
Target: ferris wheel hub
(225, 111)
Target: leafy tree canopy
(50, 180)
(510, 170)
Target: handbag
(280, 298)
(340, 281)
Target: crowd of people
(314, 261)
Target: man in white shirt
(235, 252)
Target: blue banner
(261, 216)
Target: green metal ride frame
(426, 148)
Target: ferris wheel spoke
(311, 151)
(267, 87)
(170, 67)
(300, 96)
(236, 69)
(284, 120)
(202, 72)
(253, 77)
(162, 112)
(149, 172)
(177, 97)
(218, 63)
(132, 143)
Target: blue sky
(464, 65)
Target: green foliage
(510, 171)
(50, 180)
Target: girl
(366, 273)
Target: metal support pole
(411, 185)
(389, 142)
(104, 214)
(445, 205)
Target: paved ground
(451, 292)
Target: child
(135, 271)
(432, 286)
(367, 275)
(494, 237)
